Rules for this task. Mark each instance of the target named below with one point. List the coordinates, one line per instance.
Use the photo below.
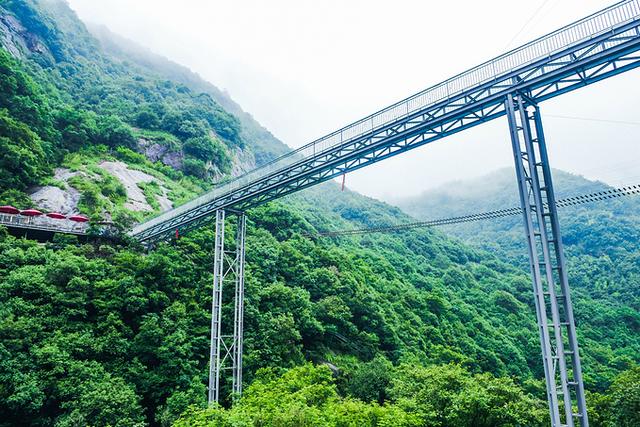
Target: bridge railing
(43, 223)
(584, 29)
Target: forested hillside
(412, 329)
(601, 239)
(77, 99)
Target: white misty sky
(305, 68)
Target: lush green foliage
(601, 242)
(620, 406)
(25, 120)
(140, 324)
(22, 158)
(76, 94)
(601, 239)
(433, 396)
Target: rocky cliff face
(16, 39)
(157, 152)
(61, 198)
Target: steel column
(554, 311)
(238, 318)
(226, 350)
(216, 309)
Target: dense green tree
(369, 381)
(113, 132)
(208, 149)
(22, 97)
(301, 397)
(23, 157)
(147, 119)
(77, 128)
(620, 405)
(449, 396)
(195, 167)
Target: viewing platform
(42, 226)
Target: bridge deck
(594, 48)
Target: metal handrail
(545, 46)
(42, 223)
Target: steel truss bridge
(594, 48)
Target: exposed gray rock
(173, 159)
(54, 199)
(130, 179)
(163, 200)
(243, 161)
(51, 198)
(157, 152)
(63, 174)
(17, 40)
(9, 27)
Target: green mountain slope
(417, 328)
(121, 98)
(264, 145)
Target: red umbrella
(56, 215)
(9, 210)
(79, 218)
(30, 212)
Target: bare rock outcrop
(55, 199)
(156, 152)
(17, 40)
(130, 178)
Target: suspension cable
(501, 213)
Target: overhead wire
(501, 213)
(593, 119)
(615, 174)
(526, 24)
(550, 9)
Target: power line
(501, 213)
(526, 24)
(549, 10)
(592, 119)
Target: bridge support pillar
(561, 360)
(226, 350)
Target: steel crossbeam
(554, 312)
(226, 350)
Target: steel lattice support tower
(563, 373)
(226, 350)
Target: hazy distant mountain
(265, 144)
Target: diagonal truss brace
(226, 350)
(554, 311)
